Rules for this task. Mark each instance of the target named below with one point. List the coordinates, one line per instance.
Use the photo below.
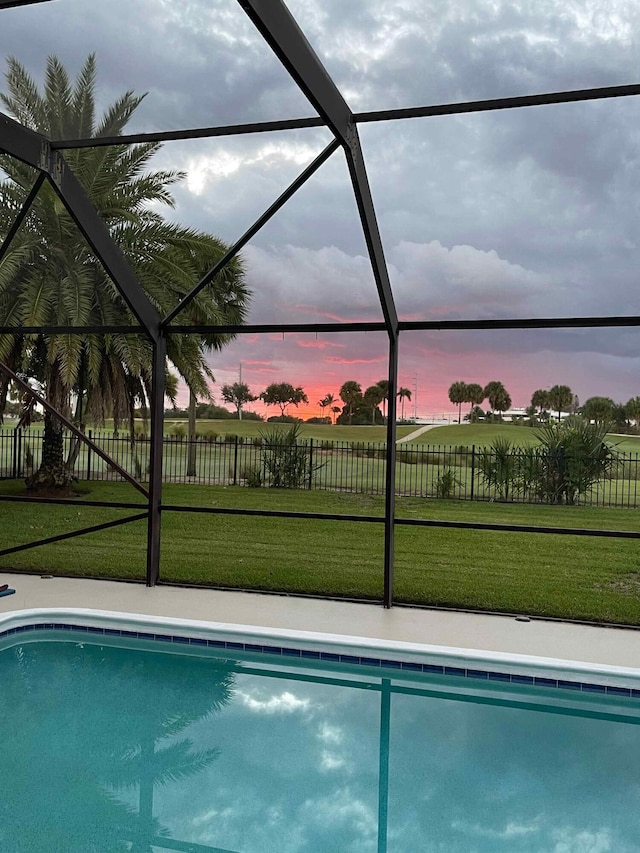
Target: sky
(519, 213)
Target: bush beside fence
(430, 471)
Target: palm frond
(58, 98)
(24, 101)
(83, 98)
(51, 277)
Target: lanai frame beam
(283, 35)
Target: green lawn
(360, 466)
(319, 432)
(564, 576)
(482, 435)
(249, 429)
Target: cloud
(317, 344)
(285, 703)
(526, 212)
(571, 840)
(511, 830)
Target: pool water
(107, 748)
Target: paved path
(418, 432)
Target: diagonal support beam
(25, 145)
(24, 210)
(283, 35)
(288, 42)
(72, 534)
(302, 178)
(35, 150)
(105, 248)
(10, 4)
(73, 428)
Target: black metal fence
(429, 471)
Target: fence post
(310, 462)
(235, 462)
(473, 468)
(20, 471)
(15, 454)
(89, 452)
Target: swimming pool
(124, 733)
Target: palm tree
(384, 385)
(540, 400)
(403, 394)
(474, 395)
(326, 402)
(373, 396)
(458, 396)
(498, 396)
(350, 393)
(561, 398)
(50, 277)
(146, 744)
(329, 400)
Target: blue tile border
(456, 672)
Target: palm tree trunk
(191, 452)
(76, 441)
(53, 474)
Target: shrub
(496, 466)
(447, 483)
(364, 448)
(179, 431)
(573, 456)
(285, 458)
(253, 477)
(230, 438)
(257, 441)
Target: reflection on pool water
(106, 748)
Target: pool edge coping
(394, 651)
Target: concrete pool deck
(492, 633)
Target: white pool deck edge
(481, 637)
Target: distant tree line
(358, 406)
(494, 392)
(545, 403)
(363, 407)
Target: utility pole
(415, 397)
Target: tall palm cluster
(495, 392)
(49, 276)
(356, 402)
